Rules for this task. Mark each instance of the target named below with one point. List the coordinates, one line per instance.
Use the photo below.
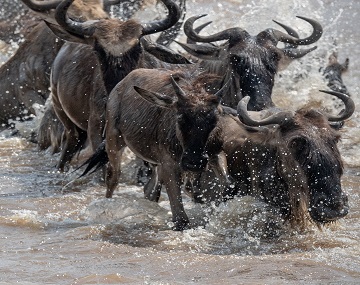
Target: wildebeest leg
(50, 130)
(144, 172)
(72, 139)
(170, 175)
(115, 146)
(192, 187)
(152, 189)
(94, 137)
(96, 122)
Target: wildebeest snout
(193, 162)
(327, 209)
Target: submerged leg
(171, 176)
(115, 146)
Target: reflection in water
(57, 230)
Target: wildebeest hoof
(181, 225)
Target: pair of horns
(233, 33)
(86, 29)
(283, 116)
(291, 39)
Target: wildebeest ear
(64, 35)
(159, 99)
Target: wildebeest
(250, 61)
(333, 73)
(84, 74)
(24, 78)
(291, 160)
(170, 128)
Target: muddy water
(57, 230)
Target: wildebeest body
(172, 136)
(25, 76)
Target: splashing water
(57, 230)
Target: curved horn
(224, 35)
(198, 30)
(161, 25)
(41, 6)
(349, 106)
(77, 28)
(315, 36)
(179, 92)
(294, 53)
(277, 118)
(290, 31)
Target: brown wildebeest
(169, 129)
(250, 61)
(24, 78)
(84, 74)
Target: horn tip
(246, 99)
(200, 16)
(333, 92)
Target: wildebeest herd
(189, 116)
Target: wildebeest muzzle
(327, 209)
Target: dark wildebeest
(251, 61)
(169, 129)
(333, 73)
(84, 74)
(24, 78)
(291, 160)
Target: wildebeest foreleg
(115, 146)
(170, 175)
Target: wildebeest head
(196, 116)
(308, 159)
(253, 60)
(114, 36)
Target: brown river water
(55, 229)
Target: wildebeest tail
(97, 160)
